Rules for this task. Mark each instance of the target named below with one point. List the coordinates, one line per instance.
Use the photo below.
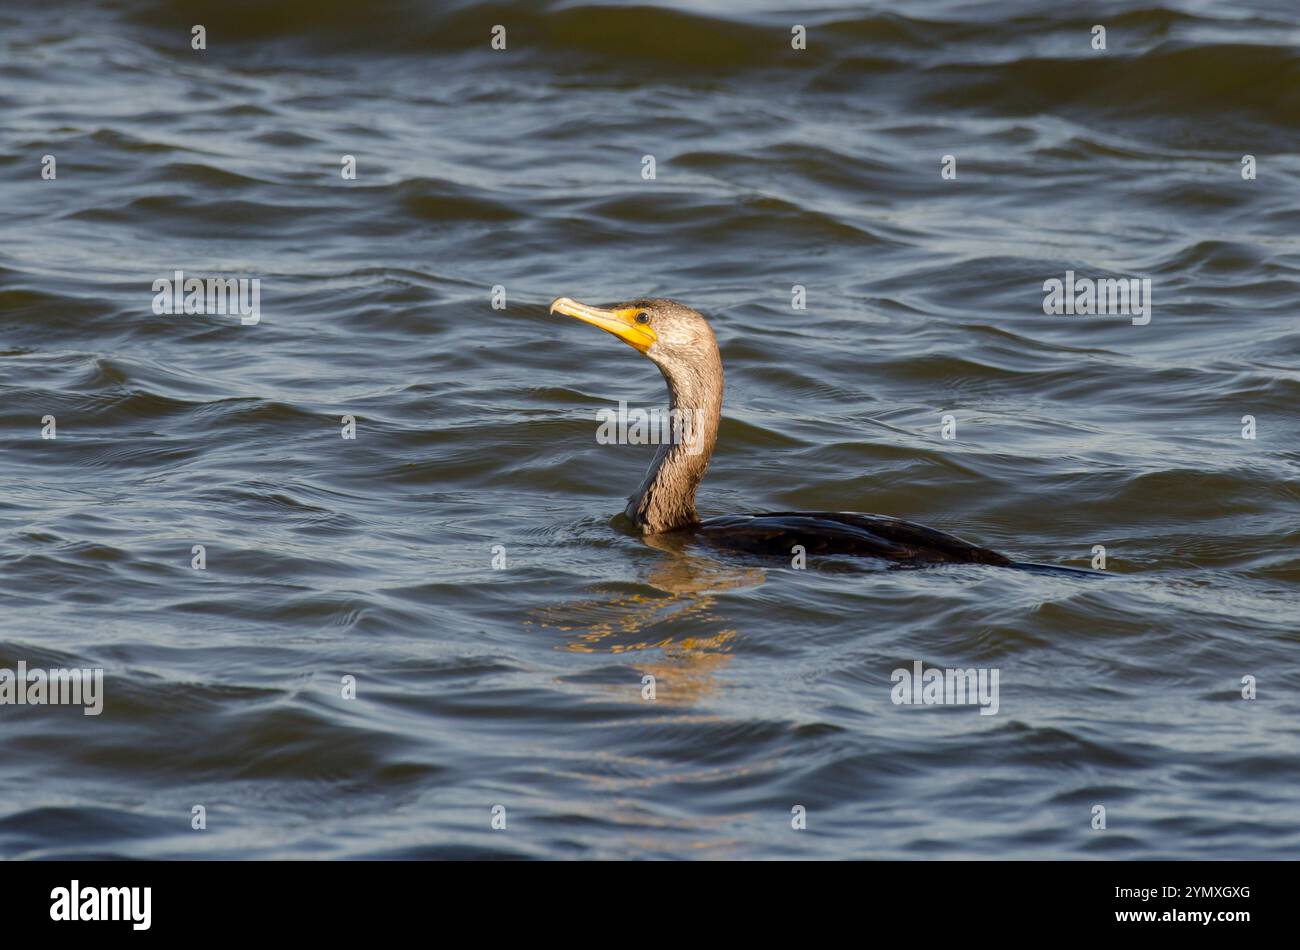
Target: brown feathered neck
(666, 499)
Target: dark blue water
(476, 428)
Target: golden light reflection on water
(679, 620)
(691, 645)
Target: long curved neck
(666, 498)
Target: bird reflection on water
(625, 619)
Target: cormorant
(680, 342)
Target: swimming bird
(680, 342)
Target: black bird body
(841, 533)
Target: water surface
(522, 687)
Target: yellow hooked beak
(621, 323)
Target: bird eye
(643, 317)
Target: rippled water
(476, 427)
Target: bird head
(671, 334)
